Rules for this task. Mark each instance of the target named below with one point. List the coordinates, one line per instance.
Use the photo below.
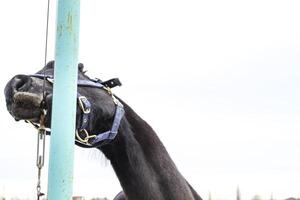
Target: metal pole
(60, 177)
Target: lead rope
(46, 52)
(41, 137)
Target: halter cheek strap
(82, 137)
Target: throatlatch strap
(112, 133)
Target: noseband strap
(82, 137)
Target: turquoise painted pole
(60, 176)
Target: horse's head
(24, 94)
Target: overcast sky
(225, 74)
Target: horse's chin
(26, 106)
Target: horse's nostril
(21, 83)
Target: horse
(142, 164)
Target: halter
(82, 137)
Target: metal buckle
(85, 110)
(108, 89)
(115, 100)
(86, 138)
(51, 80)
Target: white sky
(218, 80)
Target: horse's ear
(50, 64)
(80, 67)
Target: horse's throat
(142, 164)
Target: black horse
(139, 159)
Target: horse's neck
(142, 164)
